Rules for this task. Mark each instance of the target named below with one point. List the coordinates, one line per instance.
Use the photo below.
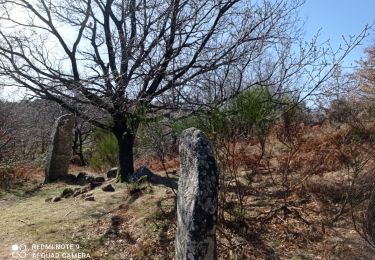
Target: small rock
(108, 188)
(48, 199)
(112, 173)
(56, 199)
(67, 192)
(86, 195)
(76, 193)
(85, 189)
(95, 184)
(81, 178)
(91, 198)
(90, 178)
(81, 175)
(99, 179)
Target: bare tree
(82, 131)
(7, 125)
(367, 73)
(128, 59)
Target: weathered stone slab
(197, 198)
(60, 149)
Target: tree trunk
(125, 139)
(126, 156)
(78, 146)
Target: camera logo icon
(19, 251)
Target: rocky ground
(137, 221)
(101, 222)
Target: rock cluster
(88, 182)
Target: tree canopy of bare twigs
(128, 59)
(367, 73)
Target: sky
(337, 18)
(334, 19)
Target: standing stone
(60, 149)
(197, 198)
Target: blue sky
(336, 18)
(339, 17)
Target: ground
(138, 222)
(107, 228)
(298, 217)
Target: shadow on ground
(167, 181)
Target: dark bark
(78, 146)
(125, 138)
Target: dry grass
(277, 224)
(27, 218)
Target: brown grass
(278, 223)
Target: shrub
(7, 175)
(253, 109)
(156, 138)
(251, 112)
(104, 150)
(187, 122)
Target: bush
(250, 113)
(341, 111)
(190, 121)
(7, 177)
(104, 150)
(253, 109)
(156, 138)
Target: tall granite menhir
(60, 149)
(197, 198)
